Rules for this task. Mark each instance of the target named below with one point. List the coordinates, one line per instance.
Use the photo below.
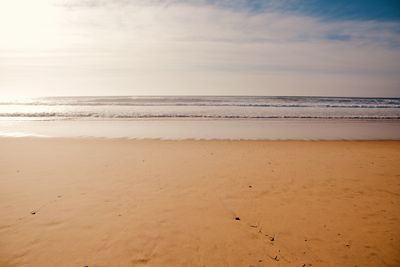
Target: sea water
(203, 117)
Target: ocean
(207, 107)
(203, 117)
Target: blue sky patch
(382, 10)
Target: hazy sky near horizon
(204, 47)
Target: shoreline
(208, 129)
(129, 139)
(115, 202)
(277, 119)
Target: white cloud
(171, 47)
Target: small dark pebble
(272, 238)
(33, 212)
(237, 218)
(250, 186)
(276, 258)
(259, 260)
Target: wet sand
(98, 202)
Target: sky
(203, 47)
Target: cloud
(197, 47)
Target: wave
(209, 101)
(64, 116)
(209, 105)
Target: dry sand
(94, 202)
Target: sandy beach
(98, 202)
